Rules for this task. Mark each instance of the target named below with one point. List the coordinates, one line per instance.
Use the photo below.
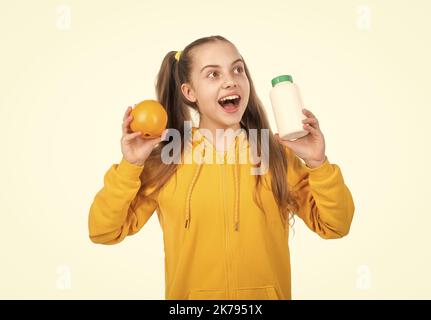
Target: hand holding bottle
(310, 148)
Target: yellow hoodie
(218, 242)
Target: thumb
(157, 140)
(164, 134)
(286, 143)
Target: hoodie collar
(226, 156)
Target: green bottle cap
(284, 77)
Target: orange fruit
(150, 118)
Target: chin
(234, 121)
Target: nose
(229, 83)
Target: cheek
(246, 85)
(246, 91)
(206, 108)
(207, 97)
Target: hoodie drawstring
(192, 184)
(237, 184)
(237, 187)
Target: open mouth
(230, 105)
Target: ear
(188, 92)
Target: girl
(225, 230)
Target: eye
(240, 69)
(211, 73)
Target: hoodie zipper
(226, 223)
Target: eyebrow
(217, 66)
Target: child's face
(212, 83)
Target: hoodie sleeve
(325, 203)
(112, 215)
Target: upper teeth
(229, 97)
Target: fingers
(313, 122)
(126, 114)
(310, 128)
(131, 136)
(308, 113)
(126, 125)
(311, 119)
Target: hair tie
(178, 55)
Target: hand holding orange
(149, 118)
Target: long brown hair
(171, 75)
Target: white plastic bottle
(287, 106)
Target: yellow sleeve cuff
(129, 170)
(323, 170)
